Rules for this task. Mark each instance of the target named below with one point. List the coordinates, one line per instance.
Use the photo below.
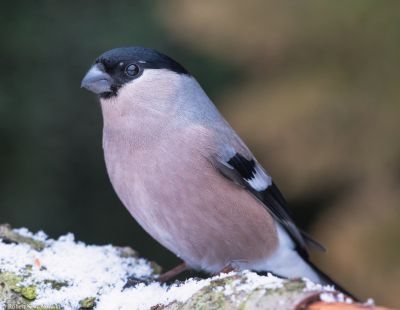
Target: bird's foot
(133, 281)
(227, 269)
(170, 274)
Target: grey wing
(246, 172)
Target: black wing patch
(242, 171)
(245, 167)
(272, 198)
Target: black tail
(327, 280)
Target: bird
(187, 177)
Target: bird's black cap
(146, 57)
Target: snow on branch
(37, 272)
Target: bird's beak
(97, 80)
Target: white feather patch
(285, 261)
(260, 181)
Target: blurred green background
(312, 86)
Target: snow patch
(332, 297)
(82, 270)
(39, 236)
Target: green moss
(11, 280)
(57, 285)
(28, 268)
(292, 286)
(207, 298)
(10, 291)
(157, 269)
(29, 292)
(88, 303)
(212, 297)
(7, 234)
(250, 300)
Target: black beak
(97, 80)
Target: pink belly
(202, 217)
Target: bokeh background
(312, 86)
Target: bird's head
(118, 67)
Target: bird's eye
(132, 70)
